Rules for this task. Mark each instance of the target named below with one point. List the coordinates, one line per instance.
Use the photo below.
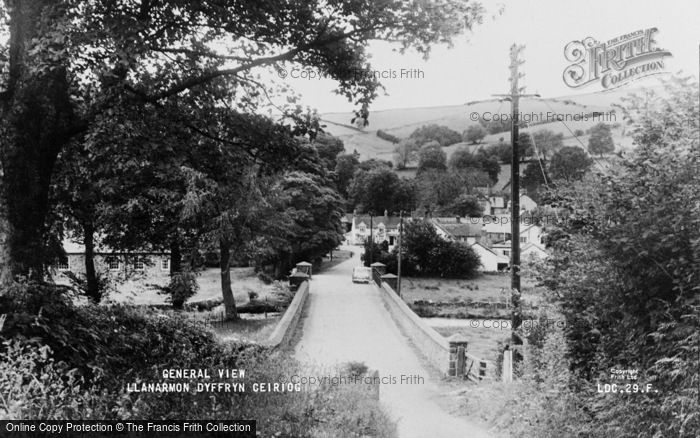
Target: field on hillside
(401, 122)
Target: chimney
(386, 214)
(458, 219)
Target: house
(383, 228)
(491, 261)
(533, 251)
(530, 244)
(458, 229)
(147, 264)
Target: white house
(491, 261)
(383, 228)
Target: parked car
(361, 274)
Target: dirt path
(348, 322)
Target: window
(506, 253)
(523, 240)
(165, 264)
(138, 265)
(63, 266)
(363, 228)
(113, 263)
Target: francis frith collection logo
(615, 62)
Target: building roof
(462, 229)
(388, 221)
(532, 245)
(486, 248)
(71, 245)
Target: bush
(63, 362)
(425, 253)
(182, 286)
(388, 137)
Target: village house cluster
(488, 235)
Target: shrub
(388, 137)
(80, 372)
(182, 286)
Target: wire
(537, 154)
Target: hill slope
(401, 122)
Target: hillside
(401, 122)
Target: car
(361, 274)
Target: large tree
(67, 65)
(569, 163)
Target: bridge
(341, 322)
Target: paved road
(345, 322)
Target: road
(345, 322)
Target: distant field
(483, 288)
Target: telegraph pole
(371, 237)
(398, 270)
(514, 97)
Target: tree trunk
(93, 288)
(225, 264)
(36, 119)
(175, 257)
(5, 259)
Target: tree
(534, 177)
(600, 141)
(438, 189)
(465, 205)
(570, 163)
(443, 135)
(547, 142)
(72, 64)
(345, 167)
(474, 134)
(381, 189)
(405, 152)
(462, 159)
(329, 148)
(425, 253)
(489, 164)
(504, 151)
(431, 157)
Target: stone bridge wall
(284, 331)
(434, 347)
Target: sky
(477, 66)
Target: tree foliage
(625, 268)
(600, 140)
(425, 253)
(431, 157)
(73, 65)
(546, 142)
(569, 163)
(474, 134)
(381, 189)
(443, 135)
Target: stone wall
(434, 347)
(283, 333)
